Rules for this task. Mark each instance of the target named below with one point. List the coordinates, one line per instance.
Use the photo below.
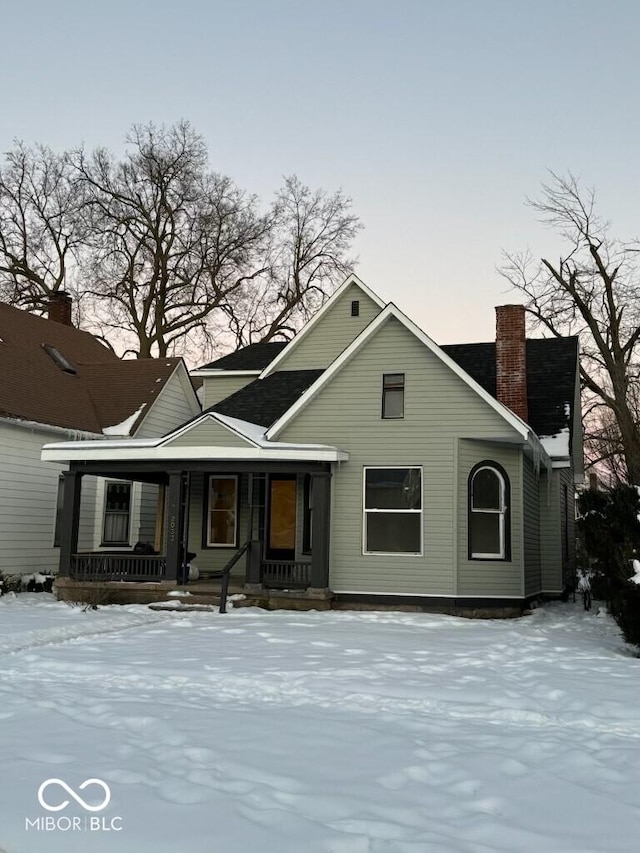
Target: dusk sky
(437, 118)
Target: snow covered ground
(316, 732)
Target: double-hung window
(117, 514)
(222, 512)
(392, 395)
(392, 511)
(488, 512)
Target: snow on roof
(257, 434)
(556, 445)
(125, 427)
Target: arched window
(489, 512)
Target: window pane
(485, 533)
(223, 493)
(222, 511)
(393, 533)
(116, 528)
(393, 403)
(487, 490)
(393, 380)
(222, 527)
(393, 488)
(118, 497)
(117, 505)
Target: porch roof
(257, 449)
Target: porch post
(174, 525)
(70, 520)
(252, 569)
(320, 527)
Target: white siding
(28, 497)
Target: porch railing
(120, 567)
(285, 574)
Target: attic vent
(59, 359)
(355, 308)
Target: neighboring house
(59, 382)
(363, 464)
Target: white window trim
(102, 504)
(213, 477)
(365, 511)
(501, 512)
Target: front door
(281, 527)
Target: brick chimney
(60, 307)
(511, 359)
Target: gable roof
(265, 400)
(252, 357)
(317, 317)
(126, 388)
(552, 365)
(102, 391)
(390, 311)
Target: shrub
(610, 530)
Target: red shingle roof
(104, 390)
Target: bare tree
(185, 261)
(311, 237)
(171, 241)
(42, 226)
(168, 256)
(593, 290)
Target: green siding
(490, 577)
(207, 433)
(568, 518)
(175, 404)
(333, 333)
(216, 388)
(215, 559)
(531, 520)
(550, 533)
(439, 408)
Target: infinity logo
(48, 782)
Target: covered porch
(265, 524)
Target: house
(361, 464)
(60, 383)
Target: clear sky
(437, 118)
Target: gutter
(74, 434)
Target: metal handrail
(224, 586)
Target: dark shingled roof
(253, 357)
(265, 400)
(551, 372)
(551, 369)
(102, 392)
